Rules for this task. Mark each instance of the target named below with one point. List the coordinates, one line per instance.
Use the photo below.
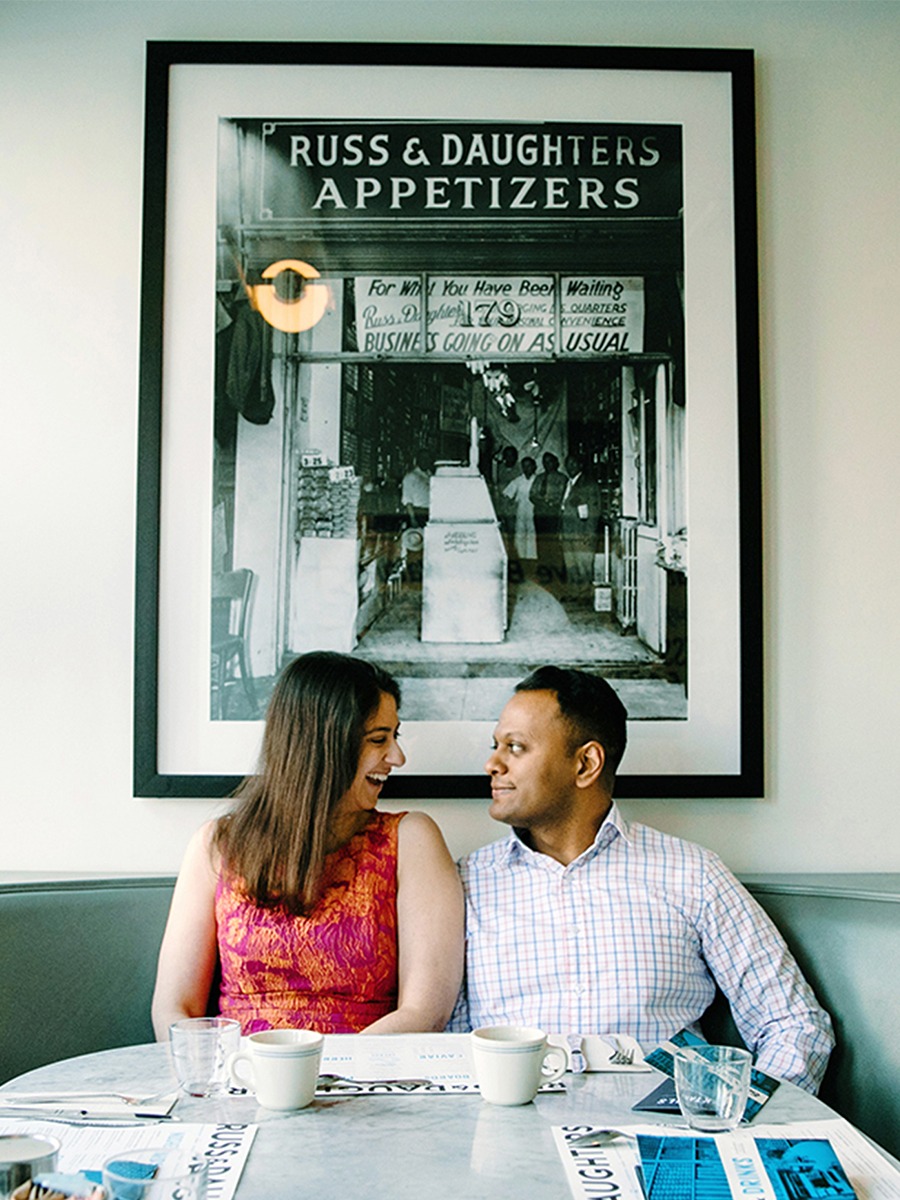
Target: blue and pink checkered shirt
(632, 938)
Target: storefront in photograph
(450, 408)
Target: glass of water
(712, 1084)
(201, 1047)
(155, 1175)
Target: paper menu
(613, 1167)
(870, 1174)
(444, 1059)
(86, 1147)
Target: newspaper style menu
(87, 1147)
(400, 1063)
(767, 1162)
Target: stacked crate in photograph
(324, 596)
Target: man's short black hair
(589, 705)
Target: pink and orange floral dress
(334, 970)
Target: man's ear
(590, 760)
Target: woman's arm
(430, 930)
(188, 955)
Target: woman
(321, 912)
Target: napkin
(598, 1050)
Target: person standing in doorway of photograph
(506, 470)
(415, 492)
(518, 492)
(580, 523)
(547, 493)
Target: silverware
(73, 1098)
(71, 1116)
(621, 1056)
(342, 1082)
(108, 1107)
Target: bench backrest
(844, 931)
(77, 966)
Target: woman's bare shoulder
(202, 853)
(420, 830)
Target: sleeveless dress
(334, 970)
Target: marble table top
(396, 1147)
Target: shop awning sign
(460, 171)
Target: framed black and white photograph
(449, 360)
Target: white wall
(71, 98)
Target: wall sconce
(297, 313)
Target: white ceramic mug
(282, 1067)
(512, 1062)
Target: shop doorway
(593, 448)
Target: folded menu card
(761, 1085)
(661, 1100)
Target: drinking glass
(712, 1083)
(155, 1175)
(201, 1047)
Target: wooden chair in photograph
(229, 661)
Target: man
(582, 922)
(524, 536)
(546, 495)
(580, 525)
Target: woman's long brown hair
(275, 838)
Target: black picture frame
(659, 773)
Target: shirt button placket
(576, 942)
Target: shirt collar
(615, 822)
(613, 826)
